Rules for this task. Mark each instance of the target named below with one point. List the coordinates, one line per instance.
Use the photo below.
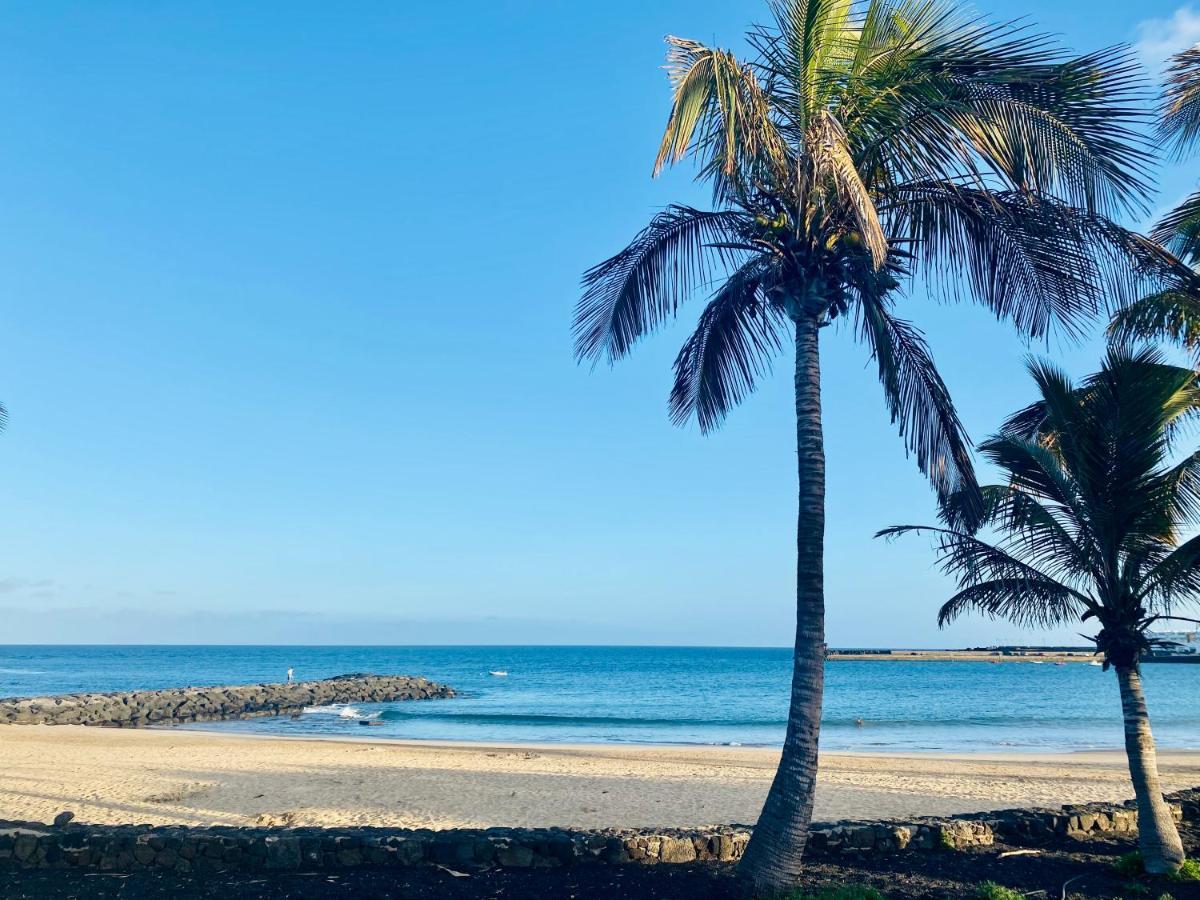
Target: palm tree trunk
(772, 861)
(1158, 838)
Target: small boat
(499, 673)
(1095, 662)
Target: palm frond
(920, 404)
(1026, 602)
(1179, 230)
(1039, 530)
(1172, 315)
(1034, 467)
(1071, 130)
(1176, 576)
(1035, 262)
(720, 111)
(1047, 419)
(1182, 484)
(934, 94)
(632, 293)
(1180, 121)
(832, 161)
(972, 562)
(739, 332)
(1138, 384)
(815, 40)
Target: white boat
(499, 673)
(1095, 662)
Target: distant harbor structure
(1182, 643)
(1186, 650)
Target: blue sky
(286, 339)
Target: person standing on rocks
(289, 681)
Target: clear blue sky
(286, 339)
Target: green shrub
(1189, 871)
(1130, 865)
(989, 890)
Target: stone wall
(185, 849)
(207, 704)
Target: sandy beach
(197, 777)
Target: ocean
(659, 695)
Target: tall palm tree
(861, 145)
(1089, 518)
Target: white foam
(343, 710)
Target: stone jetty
(132, 709)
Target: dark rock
(178, 848)
(140, 708)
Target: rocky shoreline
(133, 709)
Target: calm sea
(722, 696)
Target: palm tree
(862, 145)
(1089, 518)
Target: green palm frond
(629, 295)
(832, 162)
(1182, 482)
(1035, 262)
(1172, 310)
(920, 404)
(720, 110)
(738, 334)
(1179, 230)
(812, 41)
(1137, 391)
(1077, 132)
(1043, 532)
(974, 563)
(1172, 315)
(1180, 121)
(1026, 602)
(934, 93)
(1177, 574)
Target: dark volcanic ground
(910, 875)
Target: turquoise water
(694, 695)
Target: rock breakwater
(132, 709)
